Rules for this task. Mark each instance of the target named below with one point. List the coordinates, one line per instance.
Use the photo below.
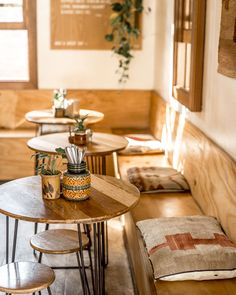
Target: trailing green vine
(125, 29)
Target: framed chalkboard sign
(80, 24)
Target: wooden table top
(109, 197)
(102, 143)
(47, 117)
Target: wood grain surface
(15, 158)
(82, 25)
(209, 170)
(25, 277)
(108, 198)
(211, 174)
(102, 143)
(47, 117)
(157, 116)
(121, 108)
(58, 241)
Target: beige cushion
(188, 248)
(157, 179)
(141, 144)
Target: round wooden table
(101, 144)
(46, 117)
(109, 197)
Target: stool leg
(35, 232)
(106, 243)
(90, 256)
(35, 228)
(14, 240)
(49, 291)
(7, 239)
(82, 256)
(40, 257)
(80, 272)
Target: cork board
(81, 24)
(227, 42)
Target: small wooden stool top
(25, 277)
(58, 241)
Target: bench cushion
(157, 179)
(141, 144)
(188, 248)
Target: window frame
(29, 24)
(191, 98)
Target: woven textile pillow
(141, 144)
(157, 179)
(188, 248)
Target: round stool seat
(25, 277)
(58, 241)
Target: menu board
(81, 24)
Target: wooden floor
(118, 279)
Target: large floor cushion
(188, 248)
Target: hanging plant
(125, 30)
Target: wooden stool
(25, 277)
(63, 241)
(58, 241)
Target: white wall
(91, 69)
(218, 116)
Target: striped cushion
(188, 248)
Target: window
(18, 44)
(188, 52)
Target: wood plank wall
(127, 108)
(210, 171)
(121, 109)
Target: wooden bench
(211, 174)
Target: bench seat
(155, 205)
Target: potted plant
(50, 175)
(59, 102)
(80, 135)
(124, 32)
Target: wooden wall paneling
(128, 108)
(211, 174)
(157, 116)
(210, 171)
(15, 159)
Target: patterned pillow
(157, 179)
(141, 144)
(188, 248)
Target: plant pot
(59, 113)
(51, 186)
(80, 138)
(76, 182)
